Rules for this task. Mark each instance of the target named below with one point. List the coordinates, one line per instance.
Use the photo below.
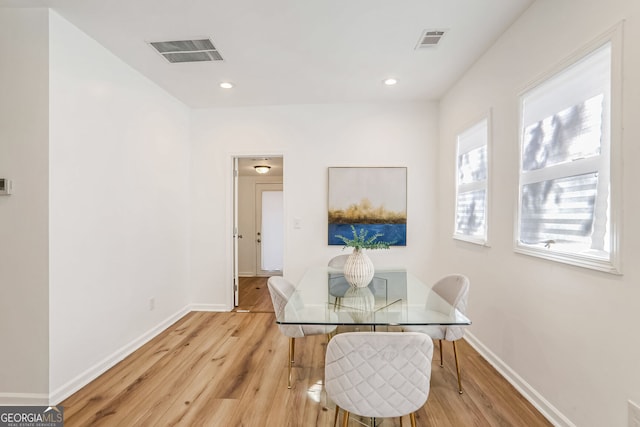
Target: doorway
(258, 221)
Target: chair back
(281, 291)
(338, 261)
(338, 285)
(454, 289)
(379, 374)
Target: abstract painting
(370, 198)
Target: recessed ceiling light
(226, 85)
(390, 81)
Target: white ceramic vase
(359, 303)
(358, 269)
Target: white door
(269, 229)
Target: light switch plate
(634, 415)
(5, 186)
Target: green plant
(360, 240)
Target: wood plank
(203, 361)
(229, 369)
(253, 295)
(119, 377)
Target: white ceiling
(296, 51)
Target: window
(565, 205)
(471, 184)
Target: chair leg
(345, 419)
(335, 418)
(400, 421)
(292, 349)
(455, 353)
(440, 345)
(412, 416)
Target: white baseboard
(209, 307)
(549, 411)
(24, 399)
(101, 367)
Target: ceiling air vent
(430, 38)
(187, 50)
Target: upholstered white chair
(454, 289)
(282, 291)
(338, 261)
(338, 285)
(378, 374)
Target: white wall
(311, 138)
(119, 208)
(24, 260)
(567, 333)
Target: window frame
(612, 263)
(484, 240)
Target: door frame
(232, 220)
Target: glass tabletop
(394, 297)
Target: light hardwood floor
(229, 369)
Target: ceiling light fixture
(390, 81)
(226, 85)
(262, 168)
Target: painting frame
(369, 198)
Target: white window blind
(471, 184)
(564, 203)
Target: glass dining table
(394, 297)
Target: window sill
(475, 240)
(579, 260)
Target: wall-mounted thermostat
(5, 186)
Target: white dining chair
(281, 291)
(338, 285)
(454, 289)
(338, 261)
(378, 374)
